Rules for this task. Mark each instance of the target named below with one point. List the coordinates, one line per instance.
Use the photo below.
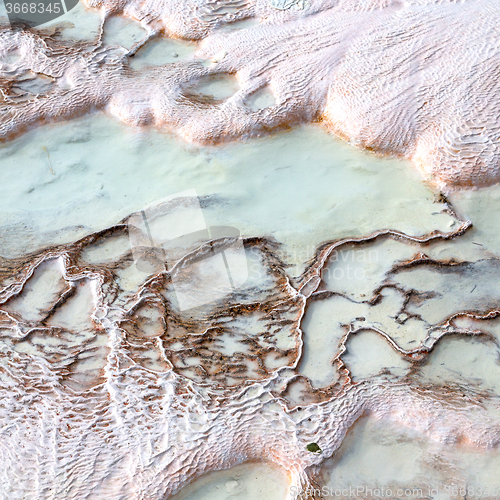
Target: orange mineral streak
(113, 391)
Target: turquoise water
(301, 188)
(184, 321)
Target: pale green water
(245, 482)
(301, 187)
(380, 455)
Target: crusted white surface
(107, 391)
(417, 79)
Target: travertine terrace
(108, 387)
(390, 76)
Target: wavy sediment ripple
(417, 79)
(109, 389)
(113, 391)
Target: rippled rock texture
(109, 388)
(417, 79)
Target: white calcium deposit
(417, 79)
(361, 348)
